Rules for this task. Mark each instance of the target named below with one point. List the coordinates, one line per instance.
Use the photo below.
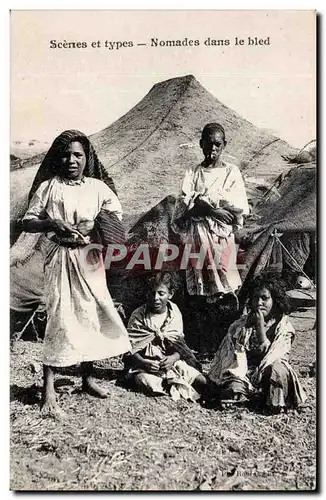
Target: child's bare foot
(93, 388)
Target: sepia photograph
(163, 250)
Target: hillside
(26, 149)
(147, 150)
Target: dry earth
(133, 442)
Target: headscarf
(51, 162)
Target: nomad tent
(146, 151)
(281, 236)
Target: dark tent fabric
(287, 211)
(289, 208)
(154, 227)
(27, 273)
(265, 253)
(290, 204)
(26, 288)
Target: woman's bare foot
(92, 388)
(50, 407)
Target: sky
(272, 85)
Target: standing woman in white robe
(70, 189)
(208, 211)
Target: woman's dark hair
(212, 127)
(277, 289)
(166, 278)
(52, 163)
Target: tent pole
(274, 235)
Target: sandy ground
(133, 442)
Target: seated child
(253, 358)
(160, 361)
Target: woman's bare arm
(37, 225)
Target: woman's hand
(168, 361)
(63, 229)
(85, 227)
(222, 215)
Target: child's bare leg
(208, 390)
(200, 384)
(49, 404)
(89, 385)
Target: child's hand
(223, 215)
(202, 202)
(167, 362)
(231, 208)
(151, 366)
(202, 206)
(257, 320)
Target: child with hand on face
(160, 362)
(253, 358)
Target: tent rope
(30, 321)
(302, 149)
(265, 146)
(275, 235)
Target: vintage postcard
(163, 250)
